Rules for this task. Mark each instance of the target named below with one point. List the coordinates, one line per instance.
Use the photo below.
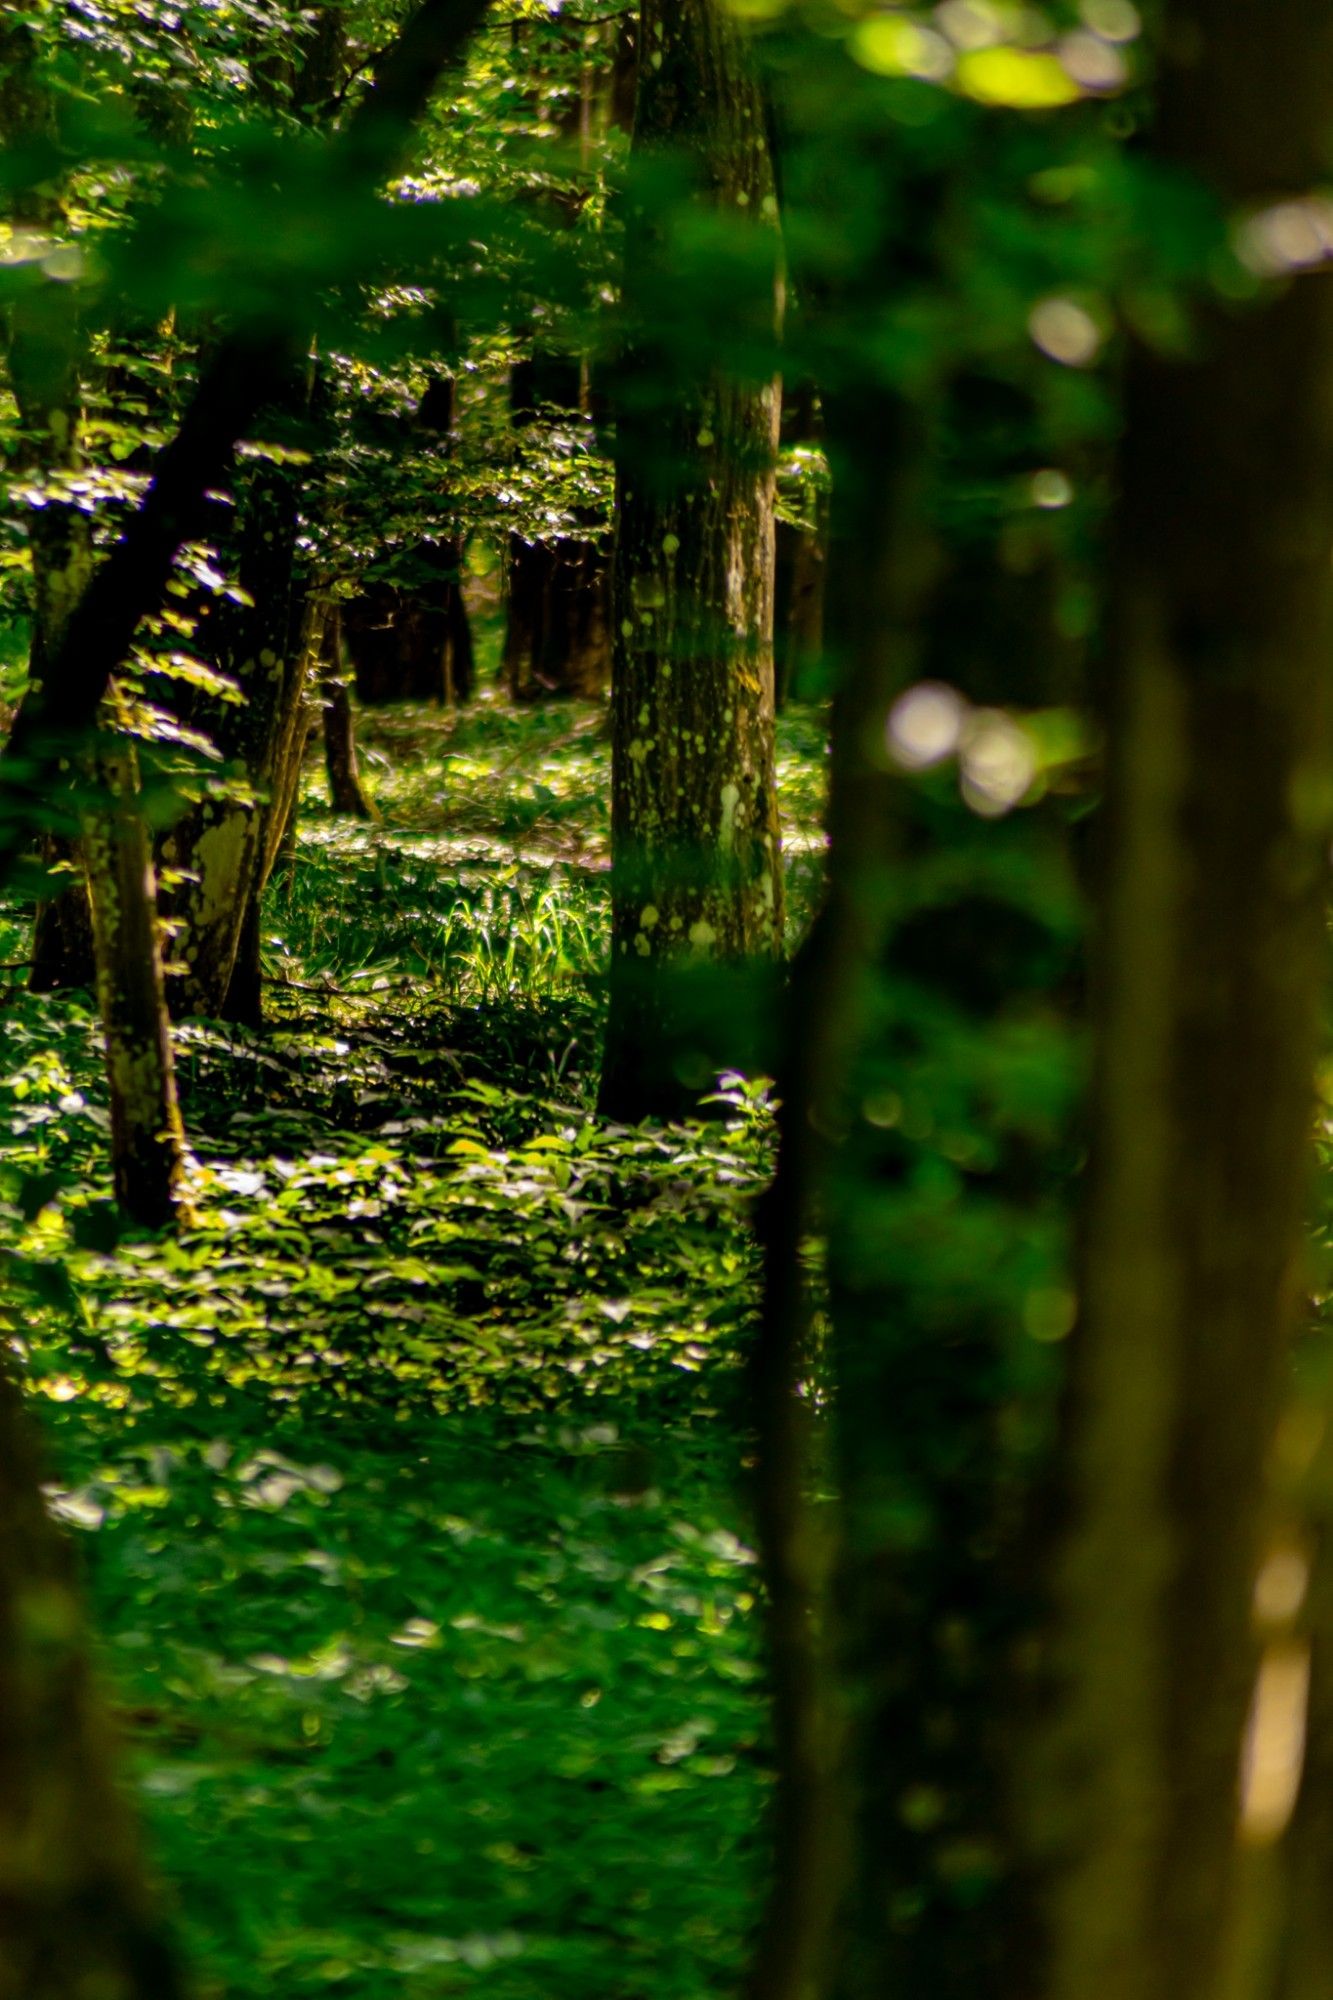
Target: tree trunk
(1211, 957)
(346, 792)
(147, 1140)
(275, 833)
(219, 844)
(76, 1917)
(943, 961)
(107, 927)
(697, 892)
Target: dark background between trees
(664, 828)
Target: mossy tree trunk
(697, 887)
(76, 1916)
(1211, 959)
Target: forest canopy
(665, 808)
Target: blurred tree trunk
(697, 891)
(76, 1917)
(932, 956)
(816, 1829)
(1210, 971)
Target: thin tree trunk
(76, 1917)
(1211, 960)
(346, 792)
(147, 1139)
(697, 891)
(274, 831)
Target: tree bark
(1210, 967)
(147, 1139)
(697, 890)
(274, 830)
(76, 1916)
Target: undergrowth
(408, 1476)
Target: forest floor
(410, 1477)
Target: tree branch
(248, 370)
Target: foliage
(407, 1476)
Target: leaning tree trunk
(696, 867)
(275, 831)
(1211, 968)
(219, 845)
(76, 1917)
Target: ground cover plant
(408, 1485)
